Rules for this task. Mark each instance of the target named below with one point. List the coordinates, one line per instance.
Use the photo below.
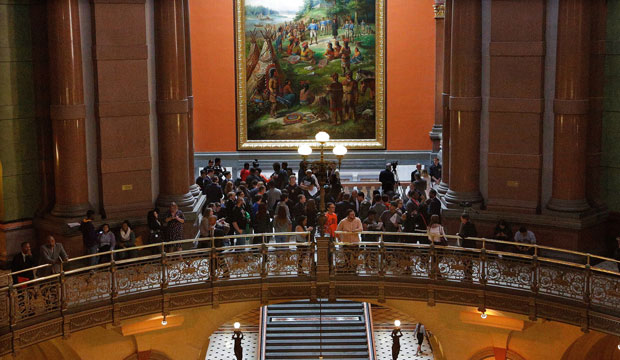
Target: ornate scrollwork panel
(37, 299)
(458, 265)
(138, 277)
(184, 270)
(511, 272)
(353, 259)
(88, 287)
(411, 262)
(296, 260)
(605, 290)
(238, 264)
(559, 280)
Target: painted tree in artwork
(356, 6)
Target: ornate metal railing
(534, 280)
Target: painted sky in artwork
(279, 5)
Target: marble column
(67, 110)
(597, 82)
(571, 107)
(195, 190)
(435, 134)
(445, 101)
(465, 102)
(172, 104)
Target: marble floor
(221, 346)
(408, 346)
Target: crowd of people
(285, 202)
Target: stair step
(315, 335)
(331, 341)
(315, 355)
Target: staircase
(293, 331)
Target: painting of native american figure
(305, 66)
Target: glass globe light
(304, 150)
(397, 323)
(340, 150)
(322, 137)
(237, 325)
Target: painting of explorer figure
(310, 66)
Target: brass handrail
(322, 261)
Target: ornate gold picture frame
(316, 67)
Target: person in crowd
(207, 211)
(52, 253)
(435, 171)
(429, 183)
(525, 236)
(371, 224)
(227, 179)
(281, 223)
(262, 221)
(306, 96)
(22, 261)
(331, 222)
(230, 186)
(419, 185)
(418, 170)
(306, 54)
(286, 203)
(218, 169)
(301, 173)
(240, 220)
(127, 239)
(391, 219)
(252, 176)
(378, 206)
(433, 204)
(154, 225)
(435, 231)
(299, 208)
(174, 220)
(312, 214)
(343, 206)
(387, 180)
(210, 165)
(214, 190)
(107, 242)
(293, 189)
(288, 170)
(243, 174)
(363, 205)
(466, 231)
(310, 184)
(420, 333)
(350, 223)
(302, 259)
(200, 180)
(89, 237)
(273, 195)
(503, 232)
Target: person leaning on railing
(350, 224)
(22, 261)
(52, 253)
(435, 232)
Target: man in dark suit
(434, 205)
(342, 207)
(22, 261)
(364, 205)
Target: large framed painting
(304, 66)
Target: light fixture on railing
(483, 314)
(164, 322)
(322, 169)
